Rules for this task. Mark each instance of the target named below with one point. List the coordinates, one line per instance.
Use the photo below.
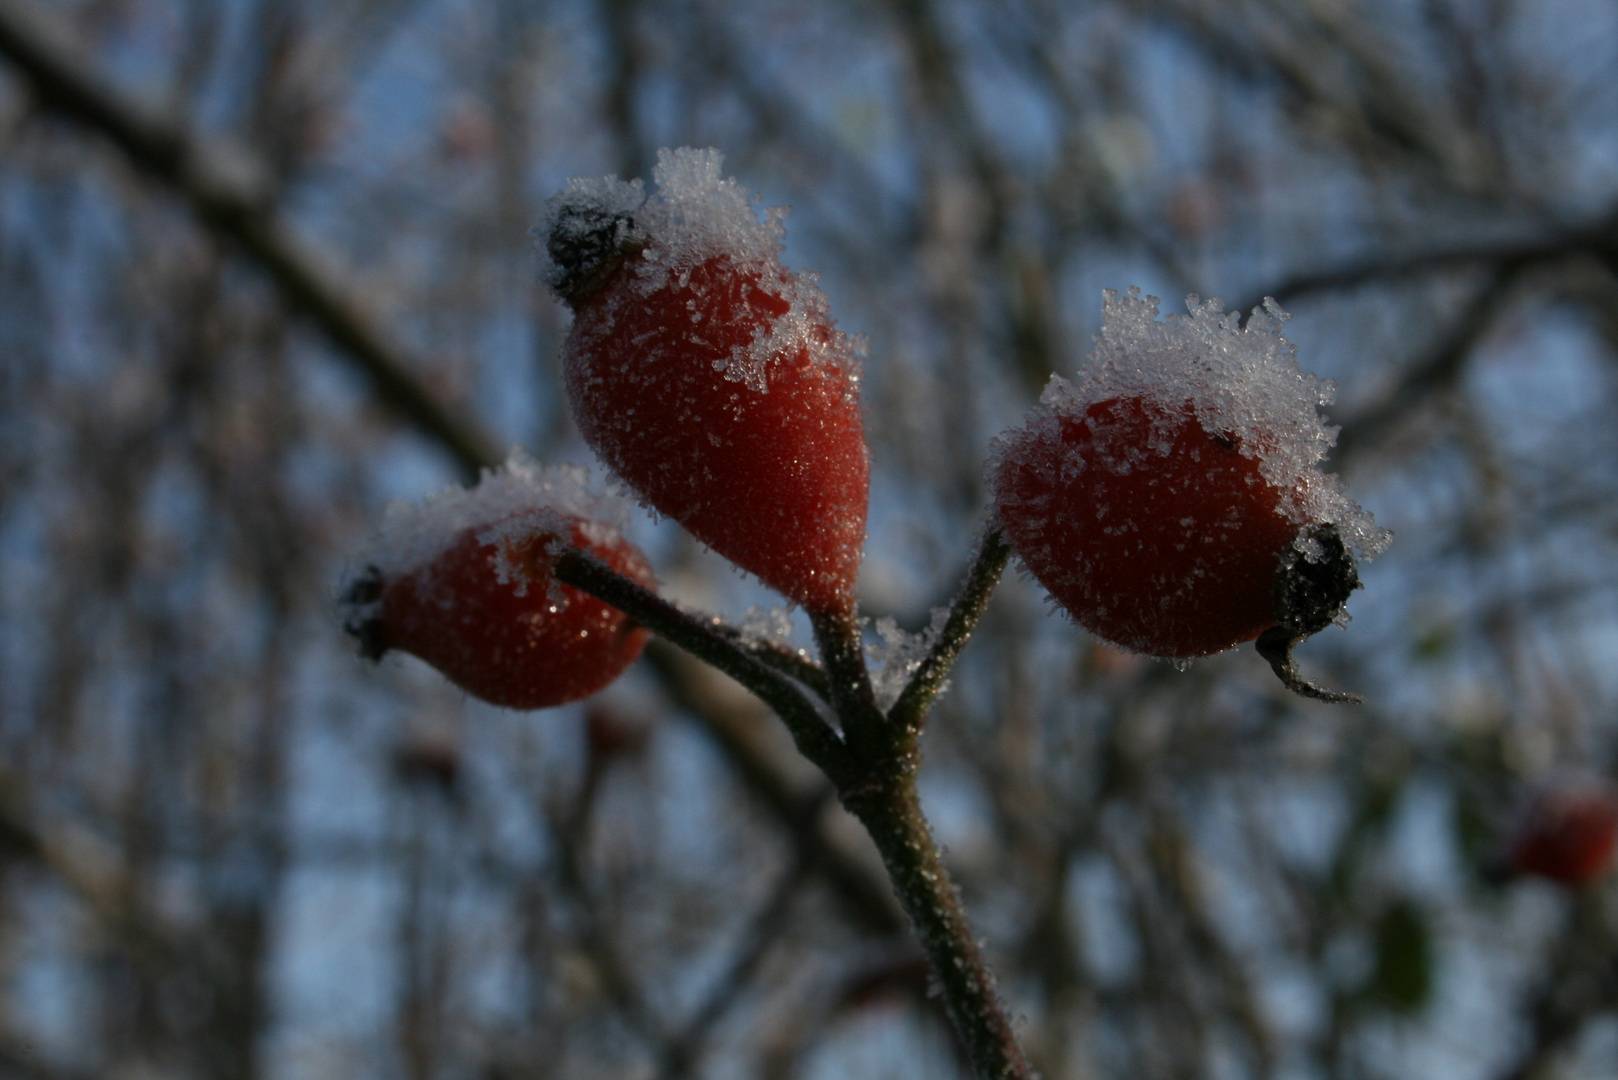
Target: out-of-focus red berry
(1568, 834)
(712, 380)
(486, 613)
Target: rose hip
(711, 379)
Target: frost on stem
(709, 377)
(1172, 501)
(897, 655)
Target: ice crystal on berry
(1241, 383)
(523, 495)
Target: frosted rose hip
(464, 582)
(711, 379)
(1172, 501)
(1155, 534)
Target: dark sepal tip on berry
(362, 602)
(586, 244)
(1309, 596)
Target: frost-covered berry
(1172, 501)
(464, 582)
(1568, 833)
(710, 378)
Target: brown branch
(231, 195)
(1598, 238)
(1438, 369)
(1579, 984)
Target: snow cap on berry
(521, 494)
(520, 500)
(697, 213)
(1239, 382)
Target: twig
(1441, 366)
(816, 739)
(884, 798)
(891, 813)
(1598, 238)
(842, 651)
(231, 196)
(982, 576)
(680, 1052)
(781, 657)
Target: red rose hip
(1567, 834)
(464, 583)
(710, 378)
(1164, 539)
(1172, 502)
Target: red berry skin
(510, 642)
(1568, 837)
(776, 479)
(1154, 533)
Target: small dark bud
(585, 244)
(361, 604)
(1310, 594)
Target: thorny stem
(873, 765)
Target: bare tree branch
(230, 193)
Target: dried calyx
(586, 243)
(361, 605)
(1312, 586)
